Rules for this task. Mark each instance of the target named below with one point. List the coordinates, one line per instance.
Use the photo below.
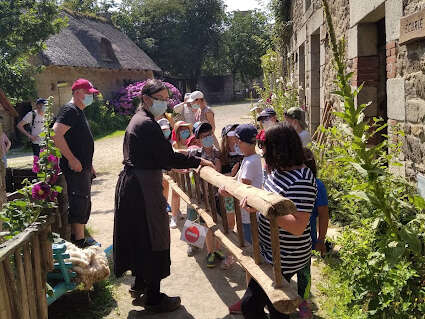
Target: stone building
(93, 49)
(385, 49)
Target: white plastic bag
(194, 234)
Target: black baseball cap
(202, 128)
(41, 101)
(246, 133)
(269, 112)
(228, 128)
(297, 113)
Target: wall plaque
(412, 27)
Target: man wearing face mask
(267, 118)
(141, 225)
(295, 116)
(75, 141)
(35, 120)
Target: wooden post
(213, 206)
(188, 185)
(29, 275)
(239, 226)
(198, 184)
(39, 278)
(12, 287)
(255, 239)
(5, 306)
(223, 214)
(274, 230)
(22, 284)
(206, 195)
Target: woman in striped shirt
(290, 178)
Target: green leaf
(412, 240)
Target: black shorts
(79, 199)
(35, 149)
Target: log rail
(198, 189)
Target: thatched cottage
(94, 49)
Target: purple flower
(35, 165)
(52, 159)
(40, 191)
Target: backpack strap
(33, 119)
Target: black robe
(141, 231)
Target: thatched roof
(90, 42)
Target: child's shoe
(305, 311)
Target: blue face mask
(208, 141)
(158, 107)
(167, 133)
(184, 135)
(88, 99)
(195, 106)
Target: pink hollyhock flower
(53, 195)
(35, 165)
(40, 191)
(52, 158)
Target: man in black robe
(141, 231)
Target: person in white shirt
(35, 119)
(295, 116)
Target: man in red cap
(75, 141)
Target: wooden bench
(201, 196)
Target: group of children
(238, 158)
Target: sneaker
(211, 260)
(136, 293)
(173, 223)
(305, 311)
(167, 304)
(236, 309)
(168, 208)
(191, 250)
(220, 255)
(85, 242)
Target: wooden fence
(199, 190)
(25, 261)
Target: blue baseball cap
(246, 133)
(41, 101)
(268, 112)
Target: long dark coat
(141, 232)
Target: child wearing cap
(181, 133)
(295, 116)
(267, 118)
(250, 172)
(204, 133)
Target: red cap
(84, 84)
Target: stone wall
(57, 81)
(393, 74)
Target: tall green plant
(383, 259)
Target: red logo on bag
(192, 234)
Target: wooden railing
(200, 194)
(25, 260)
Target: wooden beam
(285, 299)
(267, 203)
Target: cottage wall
(56, 81)
(393, 74)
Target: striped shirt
(298, 185)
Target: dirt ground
(206, 293)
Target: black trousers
(254, 301)
(79, 197)
(152, 289)
(35, 149)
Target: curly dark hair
(283, 147)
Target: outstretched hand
(205, 162)
(222, 191)
(244, 205)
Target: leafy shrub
(103, 119)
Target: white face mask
(267, 124)
(88, 99)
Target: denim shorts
(247, 232)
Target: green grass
(109, 135)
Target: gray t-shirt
(305, 137)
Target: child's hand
(235, 169)
(205, 162)
(222, 192)
(244, 205)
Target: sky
(242, 5)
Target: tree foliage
(24, 25)
(177, 34)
